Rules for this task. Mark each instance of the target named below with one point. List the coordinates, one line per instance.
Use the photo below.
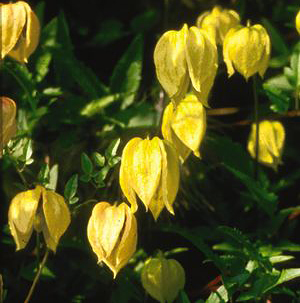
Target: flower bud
(247, 49)
(185, 126)
(39, 209)
(163, 279)
(271, 141)
(170, 63)
(297, 21)
(202, 61)
(112, 233)
(150, 170)
(218, 22)
(7, 121)
(20, 30)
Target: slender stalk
(257, 125)
(37, 276)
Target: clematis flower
(112, 233)
(20, 31)
(184, 56)
(40, 210)
(297, 22)
(163, 278)
(271, 141)
(150, 170)
(185, 126)
(218, 22)
(247, 50)
(7, 121)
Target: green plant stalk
(37, 276)
(257, 126)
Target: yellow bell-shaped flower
(202, 61)
(112, 233)
(39, 209)
(218, 22)
(271, 136)
(163, 278)
(20, 31)
(297, 21)
(7, 121)
(185, 125)
(170, 63)
(150, 170)
(247, 50)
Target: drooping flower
(7, 121)
(218, 22)
(150, 170)
(40, 210)
(112, 233)
(181, 56)
(271, 141)
(247, 50)
(297, 22)
(20, 31)
(163, 278)
(185, 125)
(170, 62)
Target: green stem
(37, 276)
(257, 126)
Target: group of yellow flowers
(186, 63)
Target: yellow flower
(7, 121)
(163, 279)
(218, 22)
(39, 209)
(247, 49)
(185, 125)
(170, 63)
(202, 61)
(271, 141)
(20, 30)
(297, 21)
(150, 170)
(181, 56)
(112, 233)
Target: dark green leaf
(43, 176)
(86, 164)
(98, 159)
(144, 21)
(111, 151)
(71, 188)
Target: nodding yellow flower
(247, 50)
(163, 278)
(271, 141)
(185, 126)
(218, 22)
(150, 170)
(202, 61)
(297, 21)
(181, 56)
(112, 233)
(170, 62)
(7, 121)
(40, 210)
(20, 29)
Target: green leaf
(53, 177)
(73, 200)
(101, 175)
(114, 161)
(288, 274)
(220, 296)
(126, 76)
(43, 176)
(86, 164)
(183, 298)
(111, 151)
(98, 159)
(71, 188)
(63, 32)
(144, 21)
(282, 258)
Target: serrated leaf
(71, 188)
(126, 75)
(86, 164)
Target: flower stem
(257, 126)
(37, 276)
